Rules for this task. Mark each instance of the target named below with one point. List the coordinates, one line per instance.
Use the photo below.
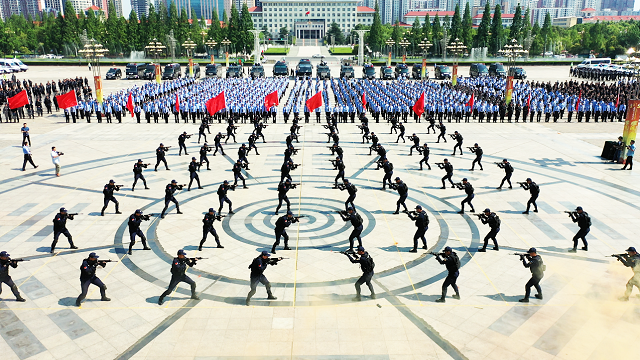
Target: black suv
(304, 69)
(211, 70)
(518, 73)
(234, 71)
(478, 70)
(171, 71)
(368, 71)
(442, 72)
(280, 69)
(346, 71)
(323, 71)
(386, 73)
(257, 71)
(114, 73)
(416, 72)
(150, 72)
(497, 70)
(402, 70)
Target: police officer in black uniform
(230, 133)
(421, 220)
(340, 166)
(632, 260)
(283, 187)
(374, 142)
(60, 227)
(242, 155)
(403, 191)
(134, 229)
(367, 265)
(450, 259)
(88, 277)
(458, 145)
(534, 190)
(258, 266)
(160, 153)
(252, 144)
(201, 132)
(222, 195)
(401, 135)
(508, 171)
(108, 196)
(356, 221)
(468, 189)
(351, 189)
(537, 267)
(494, 222)
(5, 262)
(237, 174)
(584, 222)
(181, 143)
(168, 196)
(281, 224)
(416, 144)
(387, 167)
(216, 140)
(425, 156)
(207, 228)
(137, 174)
(448, 168)
(478, 151)
(443, 132)
(179, 274)
(203, 155)
(285, 170)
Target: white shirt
(55, 157)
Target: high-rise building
(25, 8)
(80, 5)
(53, 5)
(140, 7)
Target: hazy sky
(126, 8)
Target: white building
(309, 19)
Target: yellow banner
(630, 125)
(158, 76)
(190, 67)
(424, 69)
(212, 60)
(389, 59)
(227, 56)
(454, 77)
(98, 84)
(509, 89)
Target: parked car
(442, 72)
(497, 70)
(416, 72)
(281, 68)
(316, 56)
(518, 73)
(257, 71)
(368, 71)
(211, 70)
(172, 71)
(304, 69)
(149, 72)
(234, 71)
(113, 74)
(402, 70)
(478, 70)
(323, 71)
(346, 71)
(386, 73)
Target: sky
(126, 8)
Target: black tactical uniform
(283, 187)
(584, 222)
(237, 174)
(478, 159)
(168, 197)
(60, 227)
(536, 266)
(108, 196)
(421, 220)
(425, 156)
(281, 224)
(367, 265)
(6, 278)
(88, 277)
(179, 274)
(452, 262)
(258, 266)
(134, 229)
(160, 153)
(494, 224)
(403, 191)
(356, 221)
(207, 228)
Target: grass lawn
(276, 51)
(341, 51)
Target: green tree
(456, 25)
(437, 33)
(515, 29)
(338, 36)
(215, 31)
(496, 40)
(482, 37)
(375, 38)
(396, 35)
(225, 30)
(415, 36)
(69, 24)
(246, 24)
(133, 31)
(426, 29)
(467, 27)
(545, 32)
(233, 29)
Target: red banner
(509, 89)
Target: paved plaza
(314, 316)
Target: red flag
(314, 102)
(364, 102)
(578, 102)
(529, 101)
(216, 104)
(618, 98)
(177, 104)
(18, 100)
(67, 100)
(130, 104)
(271, 100)
(471, 101)
(418, 107)
(308, 12)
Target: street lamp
(390, 44)
(93, 51)
(210, 44)
(155, 47)
(189, 45)
(424, 45)
(404, 43)
(511, 51)
(456, 48)
(226, 43)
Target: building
(140, 7)
(610, 18)
(411, 16)
(80, 5)
(25, 8)
(567, 21)
(309, 19)
(538, 14)
(54, 6)
(507, 19)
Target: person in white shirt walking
(27, 156)
(55, 157)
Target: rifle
(459, 185)
(341, 187)
(522, 255)
(21, 259)
(368, 137)
(208, 148)
(472, 149)
(297, 218)
(147, 217)
(293, 186)
(614, 255)
(118, 187)
(453, 136)
(105, 261)
(501, 165)
(144, 165)
(70, 216)
(166, 148)
(394, 186)
(480, 216)
(440, 165)
(232, 187)
(334, 163)
(524, 185)
(294, 166)
(412, 213)
(180, 186)
(412, 137)
(350, 253)
(244, 166)
(342, 212)
(219, 217)
(197, 258)
(188, 136)
(274, 261)
(439, 126)
(571, 213)
(294, 151)
(437, 254)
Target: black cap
(93, 255)
(174, 182)
(529, 179)
(4, 253)
(161, 144)
(63, 209)
(532, 250)
(193, 158)
(265, 253)
(138, 211)
(111, 181)
(211, 210)
(579, 208)
(360, 248)
(487, 210)
(287, 180)
(289, 213)
(225, 182)
(447, 249)
(629, 249)
(139, 160)
(397, 178)
(349, 208)
(464, 179)
(505, 160)
(418, 207)
(182, 252)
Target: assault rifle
(294, 151)
(522, 255)
(437, 254)
(147, 217)
(219, 217)
(341, 187)
(412, 213)
(472, 149)
(350, 253)
(334, 163)
(21, 259)
(244, 165)
(481, 216)
(274, 261)
(188, 136)
(412, 137)
(501, 165)
(342, 212)
(166, 148)
(179, 187)
(571, 213)
(197, 258)
(118, 187)
(293, 186)
(453, 136)
(60, 153)
(208, 148)
(294, 166)
(619, 256)
(232, 187)
(70, 216)
(103, 263)
(524, 185)
(459, 185)
(144, 165)
(440, 165)
(439, 126)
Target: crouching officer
(630, 259)
(88, 277)
(258, 266)
(134, 229)
(60, 227)
(494, 224)
(450, 259)
(178, 274)
(5, 262)
(367, 265)
(207, 228)
(108, 196)
(422, 223)
(537, 273)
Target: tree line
(64, 33)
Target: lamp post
(93, 51)
(390, 44)
(404, 43)
(456, 48)
(226, 43)
(424, 45)
(155, 47)
(210, 43)
(361, 46)
(511, 51)
(189, 45)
